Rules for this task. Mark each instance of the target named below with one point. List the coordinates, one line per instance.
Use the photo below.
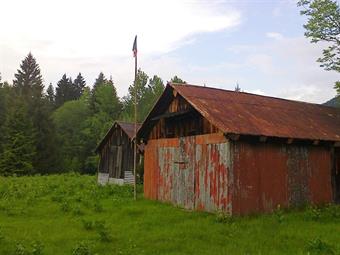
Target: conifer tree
(28, 86)
(99, 81)
(50, 94)
(19, 149)
(176, 79)
(28, 80)
(65, 91)
(79, 85)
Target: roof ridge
(248, 93)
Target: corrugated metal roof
(127, 127)
(250, 114)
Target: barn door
(176, 169)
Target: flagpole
(135, 144)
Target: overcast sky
(257, 43)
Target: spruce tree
(79, 85)
(28, 80)
(50, 94)
(99, 81)
(28, 86)
(176, 79)
(65, 91)
(19, 148)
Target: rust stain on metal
(201, 183)
(200, 161)
(250, 114)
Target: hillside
(334, 102)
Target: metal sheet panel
(250, 114)
(184, 175)
(268, 175)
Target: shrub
(103, 231)
(2, 236)
(82, 248)
(37, 248)
(333, 211)
(98, 207)
(223, 217)
(20, 249)
(65, 206)
(88, 224)
(317, 246)
(313, 213)
(279, 215)
(77, 211)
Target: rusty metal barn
(116, 154)
(212, 149)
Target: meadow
(71, 214)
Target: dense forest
(49, 130)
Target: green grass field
(70, 214)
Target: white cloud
(274, 35)
(90, 36)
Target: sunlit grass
(71, 214)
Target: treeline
(56, 130)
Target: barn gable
(116, 152)
(211, 149)
(248, 114)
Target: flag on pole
(134, 48)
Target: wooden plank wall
(191, 123)
(116, 156)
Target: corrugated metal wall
(268, 175)
(191, 172)
(207, 172)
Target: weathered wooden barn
(116, 153)
(212, 149)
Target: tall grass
(71, 214)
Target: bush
(37, 248)
(103, 231)
(313, 213)
(88, 224)
(279, 215)
(98, 207)
(20, 249)
(223, 217)
(82, 248)
(317, 246)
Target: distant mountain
(334, 102)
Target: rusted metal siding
(209, 172)
(250, 114)
(192, 172)
(268, 175)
